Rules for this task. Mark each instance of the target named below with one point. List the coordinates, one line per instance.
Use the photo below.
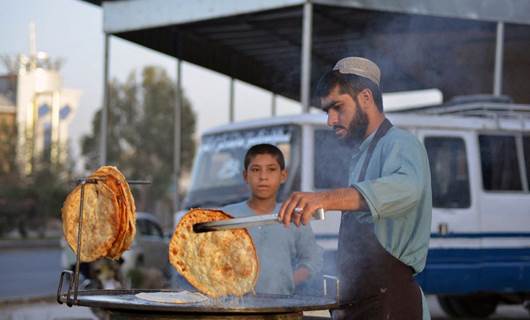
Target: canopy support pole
(105, 107)
(499, 57)
(177, 131)
(231, 101)
(273, 105)
(305, 92)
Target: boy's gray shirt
(280, 251)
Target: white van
(479, 154)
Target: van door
(505, 196)
(454, 208)
(505, 211)
(455, 227)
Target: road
(29, 272)
(35, 272)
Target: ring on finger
(298, 210)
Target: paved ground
(44, 310)
(32, 272)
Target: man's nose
(332, 118)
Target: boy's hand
(301, 274)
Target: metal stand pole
(79, 234)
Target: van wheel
(468, 306)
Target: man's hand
(300, 206)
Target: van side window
(449, 172)
(331, 159)
(500, 167)
(526, 149)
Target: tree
(28, 202)
(140, 134)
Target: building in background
(32, 97)
(7, 120)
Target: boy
(288, 257)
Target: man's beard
(357, 128)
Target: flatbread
(126, 215)
(109, 216)
(217, 263)
(180, 297)
(100, 226)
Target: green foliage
(140, 135)
(29, 202)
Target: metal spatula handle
(247, 222)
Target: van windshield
(217, 171)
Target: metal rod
(177, 137)
(231, 101)
(306, 56)
(96, 179)
(139, 182)
(499, 47)
(105, 107)
(79, 233)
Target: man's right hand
(299, 207)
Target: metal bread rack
(73, 277)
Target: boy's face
(264, 176)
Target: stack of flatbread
(109, 216)
(217, 263)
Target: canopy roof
(418, 44)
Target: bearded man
(386, 211)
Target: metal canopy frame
(450, 45)
(458, 46)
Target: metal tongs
(246, 222)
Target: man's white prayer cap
(359, 66)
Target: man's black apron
(373, 283)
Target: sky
(73, 30)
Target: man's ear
(366, 97)
(285, 174)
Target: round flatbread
(100, 226)
(126, 214)
(217, 263)
(172, 297)
(109, 216)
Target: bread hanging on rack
(109, 216)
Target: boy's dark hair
(349, 84)
(264, 148)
